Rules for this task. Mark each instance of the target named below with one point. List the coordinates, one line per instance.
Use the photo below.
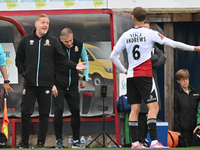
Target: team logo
(47, 91)
(160, 35)
(24, 91)
(31, 42)
(76, 49)
(151, 98)
(47, 42)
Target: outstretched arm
(179, 45)
(59, 57)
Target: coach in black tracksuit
(35, 61)
(186, 101)
(66, 87)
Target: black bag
(182, 141)
(122, 105)
(3, 140)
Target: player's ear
(133, 18)
(178, 81)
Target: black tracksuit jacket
(185, 109)
(36, 57)
(65, 78)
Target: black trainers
(22, 145)
(40, 145)
(76, 144)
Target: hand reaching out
(80, 66)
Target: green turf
(122, 148)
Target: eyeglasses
(184, 79)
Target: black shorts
(139, 88)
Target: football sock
(151, 123)
(133, 130)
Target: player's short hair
(40, 16)
(139, 14)
(182, 73)
(66, 32)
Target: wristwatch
(83, 78)
(6, 81)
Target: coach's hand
(80, 66)
(54, 91)
(83, 84)
(197, 128)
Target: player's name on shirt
(138, 39)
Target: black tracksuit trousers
(29, 96)
(73, 101)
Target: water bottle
(82, 142)
(89, 140)
(70, 142)
(31, 147)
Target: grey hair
(66, 32)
